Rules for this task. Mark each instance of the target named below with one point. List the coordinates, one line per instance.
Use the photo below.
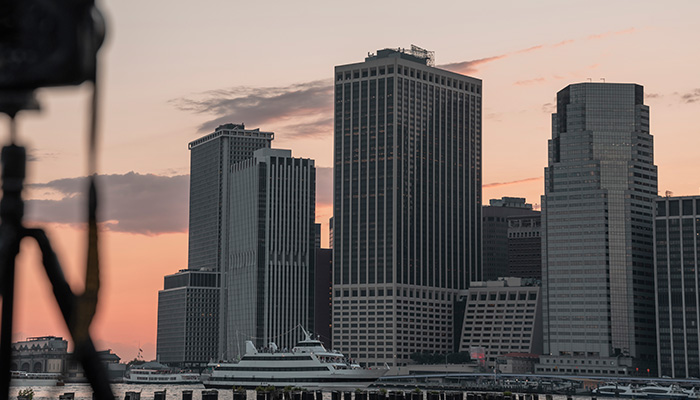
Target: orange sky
(171, 68)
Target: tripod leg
(84, 348)
(9, 247)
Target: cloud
(548, 108)
(470, 67)
(652, 95)
(530, 81)
(530, 49)
(324, 186)
(305, 110)
(608, 34)
(497, 184)
(564, 43)
(302, 109)
(144, 204)
(690, 97)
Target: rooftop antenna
(602, 79)
(590, 79)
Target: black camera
(48, 43)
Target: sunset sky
(173, 71)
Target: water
(83, 391)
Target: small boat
(22, 378)
(309, 365)
(613, 389)
(144, 376)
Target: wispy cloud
(530, 81)
(305, 110)
(302, 109)
(613, 33)
(470, 67)
(145, 204)
(497, 184)
(690, 97)
(548, 108)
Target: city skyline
(151, 84)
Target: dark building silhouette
(323, 308)
(188, 318)
(525, 246)
(676, 234)
(495, 233)
(407, 204)
(597, 219)
(211, 158)
(268, 285)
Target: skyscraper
(188, 318)
(495, 231)
(269, 279)
(407, 204)
(183, 340)
(525, 246)
(597, 245)
(677, 238)
(211, 159)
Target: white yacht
(654, 391)
(309, 365)
(613, 389)
(143, 376)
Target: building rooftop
(415, 53)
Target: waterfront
(173, 392)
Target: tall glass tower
(407, 204)
(597, 244)
(211, 159)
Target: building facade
(211, 158)
(40, 354)
(676, 233)
(269, 277)
(525, 246)
(407, 204)
(323, 300)
(188, 318)
(495, 232)
(502, 316)
(597, 244)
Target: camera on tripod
(48, 43)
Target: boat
(22, 378)
(614, 389)
(309, 365)
(654, 391)
(145, 376)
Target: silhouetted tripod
(77, 310)
(42, 44)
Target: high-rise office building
(269, 279)
(211, 159)
(525, 246)
(676, 234)
(495, 231)
(407, 204)
(597, 244)
(188, 318)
